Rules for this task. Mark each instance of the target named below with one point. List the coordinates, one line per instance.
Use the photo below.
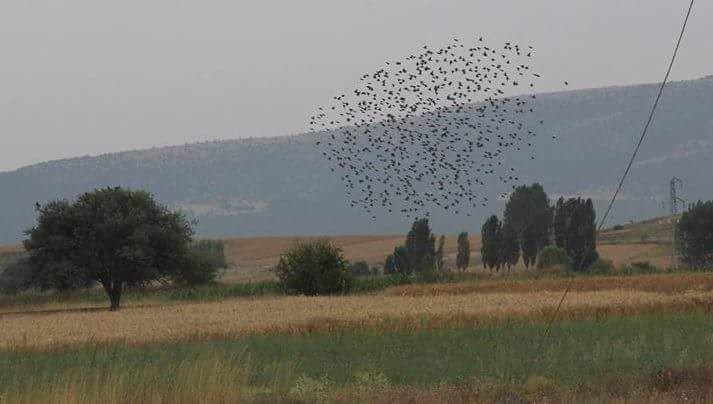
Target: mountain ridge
(282, 185)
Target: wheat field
(138, 325)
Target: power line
(651, 117)
(626, 172)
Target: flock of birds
(433, 130)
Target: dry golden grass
(252, 258)
(673, 283)
(11, 249)
(621, 254)
(137, 325)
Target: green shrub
(204, 259)
(9, 258)
(219, 291)
(618, 227)
(430, 274)
(16, 277)
(552, 256)
(313, 268)
(694, 236)
(24, 274)
(644, 267)
(601, 266)
(638, 268)
(378, 283)
(359, 269)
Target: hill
(280, 186)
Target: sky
(81, 77)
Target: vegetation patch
(324, 365)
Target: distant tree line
(420, 255)
(530, 224)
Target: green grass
(575, 354)
(220, 291)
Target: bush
(313, 268)
(638, 268)
(552, 256)
(16, 277)
(359, 269)
(23, 275)
(203, 261)
(601, 266)
(694, 236)
(379, 283)
(644, 267)
(430, 274)
(618, 227)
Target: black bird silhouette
(433, 130)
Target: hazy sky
(91, 76)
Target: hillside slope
(282, 186)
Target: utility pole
(676, 185)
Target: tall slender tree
(575, 231)
(420, 247)
(560, 222)
(490, 244)
(529, 213)
(509, 246)
(440, 251)
(463, 257)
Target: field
(251, 259)
(618, 337)
(474, 337)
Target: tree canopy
(576, 232)
(420, 246)
(490, 252)
(529, 214)
(694, 235)
(463, 256)
(116, 237)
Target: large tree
(490, 250)
(420, 247)
(529, 214)
(560, 222)
(509, 246)
(116, 237)
(694, 235)
(396, 262)
(575, 231)
(463, 256)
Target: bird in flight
(433, 130)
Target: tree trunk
(113, 289)
(115, 296)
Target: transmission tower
(676, 185)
